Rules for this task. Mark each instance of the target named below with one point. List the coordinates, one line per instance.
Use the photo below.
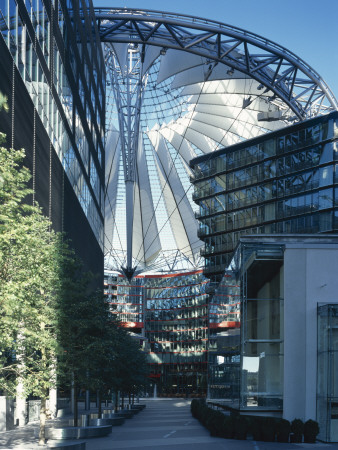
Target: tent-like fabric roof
(178, 87)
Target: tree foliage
(28, 277)
(130, 369)
(29, 286)
(52, 328)
(97, 353)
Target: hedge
(268, 429)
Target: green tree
(29, 259)
(85, 337)
(129, 369)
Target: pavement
(162, 425)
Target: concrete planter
(67, 445)
(113, 421)
(78, 432)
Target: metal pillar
(129, 85)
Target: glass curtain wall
(284, 182)
(327, 372)
(224, 341)
(171, 312)
(262, 325)
(176, 326)
(125, 299)
(55, 47)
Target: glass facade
(171, 312)
(246, 364)
(56, 51)
(176, 326)
(327, 372)
(224, 341)
(283, 182)
(126, 299)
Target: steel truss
(286, 79)
(277, 69)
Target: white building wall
(310, 278)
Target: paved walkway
(164, 425)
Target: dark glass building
(53, 73)
(282, 182)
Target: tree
(85, 336)
(129, 369)
(29, 261)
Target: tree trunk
(122, 402)
(129, 397)
(42, 431)
(116, 400)
(76, 411)
(133, 401)
(99, 401)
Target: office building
(170, 314)
(284, 361)
(282, 182)
(53, 74)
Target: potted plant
(256, 428)
(297, 427)
(283, 429)
(268, 430)
(241, 428)
(311, 430)
(228, 427)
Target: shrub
(194, 406)
(283, 428)
(261, 428)
(228, 430)
(255, 428)
(297, 427)
(203, 414)
(268, 429)
(215, 423)
(311, 429)
(241, 427)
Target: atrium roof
(179, 87)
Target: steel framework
(275, 67)
(282, 79)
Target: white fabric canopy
(189, 106)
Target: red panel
(225, 325)
(132, 324)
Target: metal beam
(204, 38)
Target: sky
(309, 28)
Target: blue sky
(309, 28)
